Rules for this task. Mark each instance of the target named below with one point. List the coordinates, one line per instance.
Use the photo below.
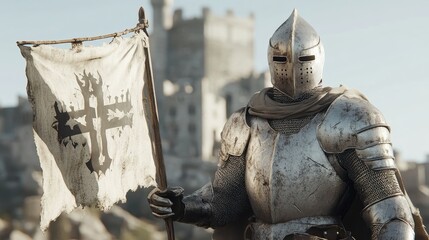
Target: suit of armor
(294, 159)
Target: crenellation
(203, 56)
(206, 12)
(177, 16)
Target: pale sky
(378, 47)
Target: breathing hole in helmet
(307, 58)
(279, 59)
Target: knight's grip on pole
(167, 203)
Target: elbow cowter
(390, 218)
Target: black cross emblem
(98, 117)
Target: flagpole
(157, 146)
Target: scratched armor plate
(290, 177)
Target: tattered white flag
(90, 123)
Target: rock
(89, 226)
(5, 229)
(123, 225)
(32, 209)
(18, 235)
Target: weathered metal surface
(290, 177)
(371, 137)
(235, 135)
(388, 209)
(383, 212)
(382, 164)
(375, 152)
(375, 149)
(396, 229)
(295, 57)
(345, 119)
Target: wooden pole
(157, 146)
(80, 40)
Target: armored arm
(225, 199)
(356, 132)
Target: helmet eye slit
(307, 58)
(279, 59)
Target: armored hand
(167, 203)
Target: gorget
(289, 176)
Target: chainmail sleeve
(380, 193)
(371, 186)
(227, 201)
(230, 201)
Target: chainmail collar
(278, 96)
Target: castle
(204, 71)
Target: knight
(300, 161)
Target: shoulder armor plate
(346, 118)
(235, 135)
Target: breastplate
(289, 176)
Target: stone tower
(205, 61)
(162, 20)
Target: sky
(378, 47)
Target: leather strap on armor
(308, 228)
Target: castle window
(191, 128)
(173, 111)
(191, 109)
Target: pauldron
(353, 123)
(234, 137)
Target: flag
(90, 123)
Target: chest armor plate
(290, 177)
